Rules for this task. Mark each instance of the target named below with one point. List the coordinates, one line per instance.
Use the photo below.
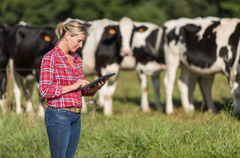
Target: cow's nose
(126, 53)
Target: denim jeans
(63, 129)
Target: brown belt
(72, 109)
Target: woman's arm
(47, 88)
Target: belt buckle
(72, 109)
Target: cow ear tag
(141, 30)
(112, 31)
(47, 38)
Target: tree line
(51, 12)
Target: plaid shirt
(55, 73)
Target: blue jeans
(63, 129)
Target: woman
(61, 78)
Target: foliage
(50, 12)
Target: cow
(146, 59)
(26, 46)
(4, 57)
(202, 46)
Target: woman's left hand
(97, 86)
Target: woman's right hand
(79, 84)
(75, 86)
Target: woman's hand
(80, 84)
(97, 86)
(75, 86)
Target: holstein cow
(146, 59)
(3, 64)
(190, 78)
(203, 46)
(26, 47)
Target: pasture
(130, 132)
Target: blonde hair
(73, 27)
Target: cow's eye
(140, 30)
(112, 31)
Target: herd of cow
(200, 47)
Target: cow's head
(108, 44)
(126, 29)
(46, 41)
(147, 41)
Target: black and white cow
(203, 46)
(4, 57)
(146, 59)
(26, 46)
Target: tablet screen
(97, 80)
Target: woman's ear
(67, 36)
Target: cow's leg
(193, 78)
(109, 88)
(3, 83)
(84, 106)
(235, 91)
(17, 83)
(183, 84)
(206, 83)
(108, 97)
(156, 87)
(144, 87)
(172, 63)
(41, 106)
(100, 97)
(41, 109)
(28, 94)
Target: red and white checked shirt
(55, 73)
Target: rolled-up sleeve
(47, 87)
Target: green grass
(130, 132)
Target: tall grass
(130, 132)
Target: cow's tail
(234, 67)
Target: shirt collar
(61, 54)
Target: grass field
(130, 132)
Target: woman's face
(75, 42)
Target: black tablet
(97, 80)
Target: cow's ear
(141, 29)
(45, 37)
(87, 25)
(6, 27)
